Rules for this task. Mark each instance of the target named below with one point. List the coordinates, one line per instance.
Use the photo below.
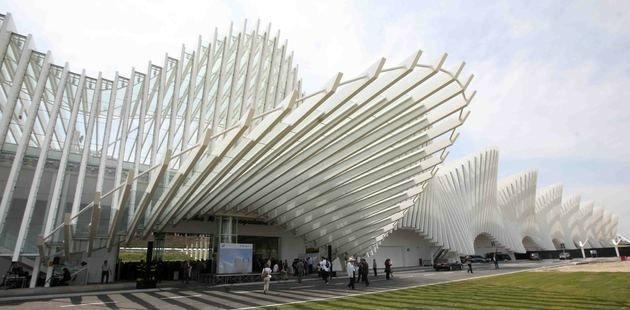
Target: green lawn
(525, 290)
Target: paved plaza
(250, 295)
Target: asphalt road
(251, 296)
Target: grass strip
(524, 290)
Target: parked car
(479, 259)
(500, 256)
(446, 264)
(534, 256)
(564, 255)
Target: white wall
(404, 248)
(291, 247)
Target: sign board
(235, 258)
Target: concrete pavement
(250, 295)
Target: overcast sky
(553, 78)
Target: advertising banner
(235, 258)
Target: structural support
(39, 170)
(176, 182)
(124, 131)
(106, 135)
(17, 164)
(8, 109)
(63, 162)
(5, 36)
(145, 101)
(87, 141)
(67, 234)
(94, 220)
(148, 195)
(124, 201)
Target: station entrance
(198, 242)
(167, 255)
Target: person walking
(374, 267)
(159, 271)
(284, 272)
(388, 268)
(365, 269)
(187, 271)
(324, 268)
(359, 268)
(266, 277)
(469, 263)
(350, 269)
(309, 262)
(495, 261)
(105, 270)
(299, 269)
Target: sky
(552, 77)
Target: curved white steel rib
(344, 162)
(548, 200)
(464, 201)
(127, 126)
(339, 166)
(517, 201)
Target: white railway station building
(220, 142)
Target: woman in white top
(266, 277)
(351, 270)
(324, 267)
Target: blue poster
(235, 258)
